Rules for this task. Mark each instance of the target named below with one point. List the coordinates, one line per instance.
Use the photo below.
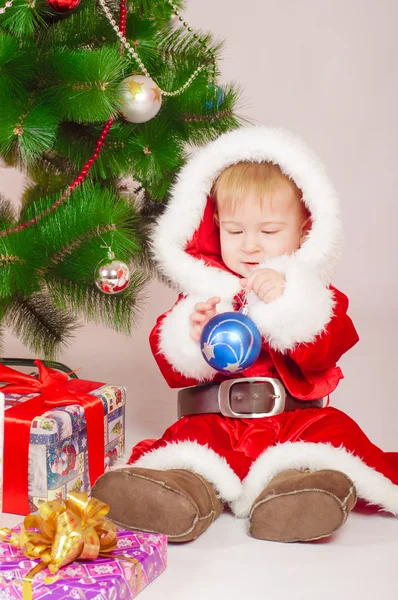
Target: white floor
(360, 562)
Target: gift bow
(63, 531)
(49, 383)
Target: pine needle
(27, 129)
(23, 19)
(16, 61)
(86, 83)
(7, 213)
(120, 311)
(42, 327)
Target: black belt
(248, 397)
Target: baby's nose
(251, 243)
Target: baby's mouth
(251, 265)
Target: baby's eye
(235, 232)
(270, 232)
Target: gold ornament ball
(140, 97)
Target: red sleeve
(337, 338)
(174, 378)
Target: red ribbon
(55, 390)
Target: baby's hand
(201, 315)
(267, 284)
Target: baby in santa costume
(253, 212)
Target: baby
(253, 214)
(260, 215)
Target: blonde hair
(257, 179)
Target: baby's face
(252, 233)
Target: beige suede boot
(302, 505)
(178, 503)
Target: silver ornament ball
(141, 98)
(112, 276)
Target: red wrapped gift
(54, 389)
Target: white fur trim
(300, 313)
(176, 344)
(175, 228)
(371, 485)
(199, 459)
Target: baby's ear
(305, 229)
(216, 218)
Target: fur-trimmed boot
(178, 503)
(302, 505)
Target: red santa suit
(305, 332)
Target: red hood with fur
(306, 330)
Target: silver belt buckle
(224, 398)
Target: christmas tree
(99, 102)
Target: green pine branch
(27, 129)
(179, 45)
(83, 83)
(16, 66)
(79, 29)
(120, 311)
(159, 11)
(25, 18)
(49, 175)
(7, 213)
(41, 326)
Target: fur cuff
(176, 344)
(199, 459)
(300, 313)
(370, 485)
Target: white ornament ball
(141, 98)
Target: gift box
(1, 452)
(57, 440)
(145, 557)
(58, 457)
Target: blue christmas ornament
(230, 342)
(217, 95)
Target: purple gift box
(102, 579)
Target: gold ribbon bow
(61, 532)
